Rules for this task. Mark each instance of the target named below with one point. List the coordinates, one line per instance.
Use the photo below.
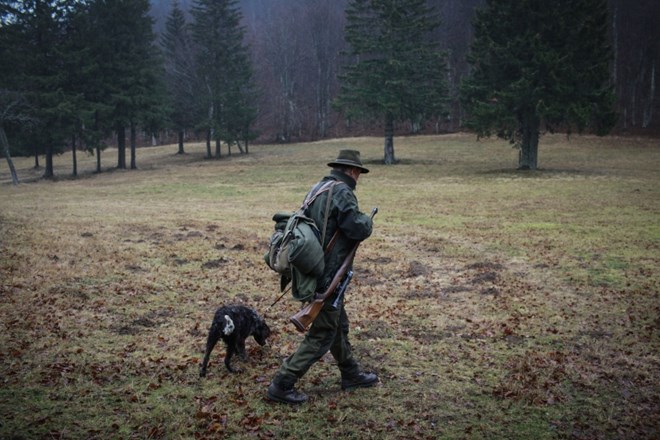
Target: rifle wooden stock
(304, 318)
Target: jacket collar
(348, 180)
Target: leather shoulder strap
(318, 189)
(327, 213)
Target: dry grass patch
(492, 303)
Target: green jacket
(354, 226)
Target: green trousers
(329, 332)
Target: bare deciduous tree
(14, 109)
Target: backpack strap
(319, 189)
(327, 213)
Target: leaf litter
(470, 338)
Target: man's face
(355, 173)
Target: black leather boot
(285, 393)
(359, 380)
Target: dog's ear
(229, 326)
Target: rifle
(305, 316)
(341, 290)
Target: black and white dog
(234, 324)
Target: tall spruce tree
(398, 72)
(224, 64)
(39, 33)
(241, 110)
(180, 73)
(76, 62)
(91, 77)
(127, 68)
(536, 65)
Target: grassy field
(492, 303)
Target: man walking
(344, 225)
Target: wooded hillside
(292, 69)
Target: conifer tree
(224, 65)
(127, 68)
(76, 62)
(38, 31)
(539, 64)
(180, 73)
(398, 72)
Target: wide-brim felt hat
(349, 158)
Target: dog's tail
(229, 326)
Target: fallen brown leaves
(487, 311)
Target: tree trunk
(133, 146)
(73, 156)
(98, 159)
(240, 147)
(217, 148)
(389, 140)
(36, 157)
(530, 142)
(48, 173)
(121, 147)
(647, 118)
(5, 147)
(181, 143)
(246, 138)
(98, 147)
(322, 99)
(208, 143)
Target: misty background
(296, 44)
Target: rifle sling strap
(332, 242)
